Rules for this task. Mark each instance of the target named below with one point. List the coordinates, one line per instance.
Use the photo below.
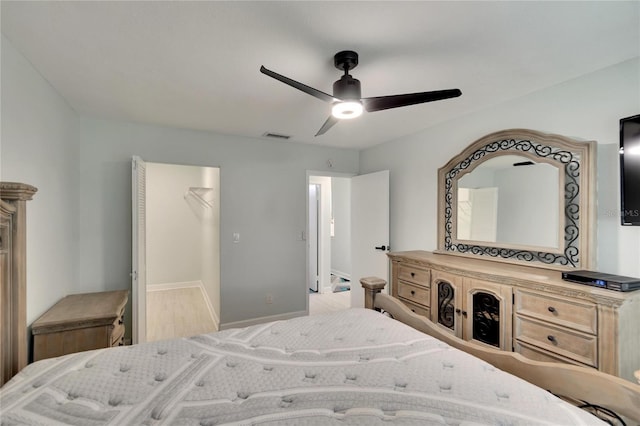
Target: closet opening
(177, 255)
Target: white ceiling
(195, 64)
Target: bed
(356, 366)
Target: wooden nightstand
(80, 322)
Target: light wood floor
(183, 312)
(320, 303)
(177, 313)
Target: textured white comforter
(347, 368)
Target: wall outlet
(268, 299)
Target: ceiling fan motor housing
(347, 88)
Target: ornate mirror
(519, 196)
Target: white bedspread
(347, 368)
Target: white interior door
(138, 251)
(369, 230)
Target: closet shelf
(202, 195)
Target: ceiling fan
(346, 99)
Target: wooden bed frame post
(372, 286)
(13, 297)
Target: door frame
(138, 242)
(313, 238)
(306, 192)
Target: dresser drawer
(418, 309)
(538, 354)
(574, 345)
(414, 293)
(414, 275)
(567, 313)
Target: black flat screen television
(630, 171)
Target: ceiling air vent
(276, 135)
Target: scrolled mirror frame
(575, 158)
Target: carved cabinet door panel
(446, 301)
(472, 309)
(489, 313)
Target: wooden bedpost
(372, 286)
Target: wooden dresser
(80, 322)
(526, 309)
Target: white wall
(183, 241)
(262, 197)
(173, 228)
(38, 146)
(210, 239)
(588, 107)
(341, 241)
(79, 237)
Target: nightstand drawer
(414, 293)
(574, 345)
(117, 336)
(567, 313)
(414, 275)
(117, 333)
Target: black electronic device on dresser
(602, 280)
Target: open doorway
(329, 243)
(177, 258)
(353, 234)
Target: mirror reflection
(510, 199)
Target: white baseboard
(173, 286)
(189, 284)
(261, 320)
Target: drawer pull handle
(458, 311)
(464, 314)
(552, 338)
(413, 293)
(552, 309)
(413, 274)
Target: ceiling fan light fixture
(347, 101)
(347, 110)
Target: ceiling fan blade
(303, 87)
(327, 125)
(395, 101)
